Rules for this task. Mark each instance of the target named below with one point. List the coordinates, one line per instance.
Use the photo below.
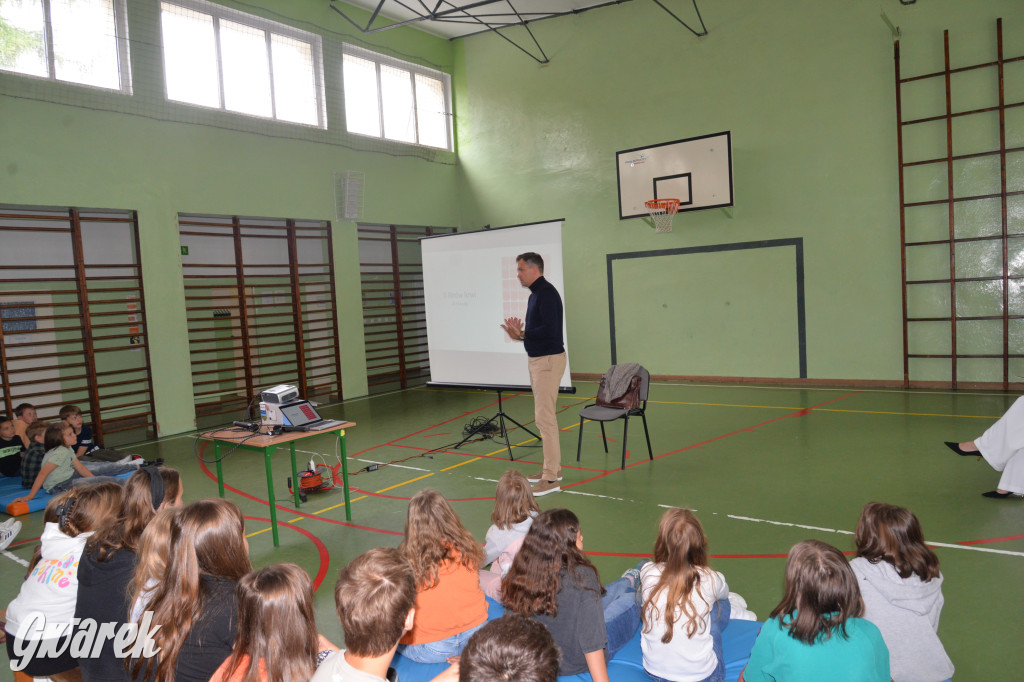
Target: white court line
(489, 480)
(607, 497)
(676, 506)
(973, 548)
(15, 558)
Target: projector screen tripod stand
(501, 417)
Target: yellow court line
(906, 414)
(468, 461)
(411, 480)
(561, 396)
(363, 497)
(763, 407)
(825, 409)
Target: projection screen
(470, 287)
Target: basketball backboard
(697, 171)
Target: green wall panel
(807, 90)
(716, 299)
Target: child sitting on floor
(61, 469)
(901, 584)
(685, 605)
(87, 449)
(512, 648)
(277, 636)
(514, 511)
(32, 460)
(817, 631)
(552, 581)
(195, 603)
(51, 589)
(450, 606)
(375, 597)
(154, 548)
(10, 448)
(25, 416)
(108, 565)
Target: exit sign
(184, 251)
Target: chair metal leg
(579, 442)
(650, 452)
(604, 438)
(625, 430)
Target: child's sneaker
(9, 531)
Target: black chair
(602, 413)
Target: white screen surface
(470, 287)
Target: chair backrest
(639, 391)
(645, 383)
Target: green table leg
(220, 471)
(295, 477)
(268, 452)
(344, 475)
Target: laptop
(301, 416)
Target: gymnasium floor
(764, 467)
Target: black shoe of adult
(955, 447)
(996, 494)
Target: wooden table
(267, 444)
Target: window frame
(124, 63)
(269, 28)
(379, 60)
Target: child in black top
(10, 448)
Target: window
(217, 57)
(396, 100)
(77, 41)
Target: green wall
(53, 153)
(807, 89)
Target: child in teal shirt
(817, 632)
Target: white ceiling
(455, 18)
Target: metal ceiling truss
(449, 12)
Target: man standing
(542, 336)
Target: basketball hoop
(662, 212)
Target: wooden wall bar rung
(256, 330)
(990, 75)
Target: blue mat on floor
(10, 490)
(627, 665)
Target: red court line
(989, 540)
(21, 542)
(289, 510)
(325, 556)
(802, 412)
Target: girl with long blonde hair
(450, 606)
(685, 605)
(514, 511)
(108, 566)
(195, 603)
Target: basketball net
(662, 212)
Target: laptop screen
(299, 414)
